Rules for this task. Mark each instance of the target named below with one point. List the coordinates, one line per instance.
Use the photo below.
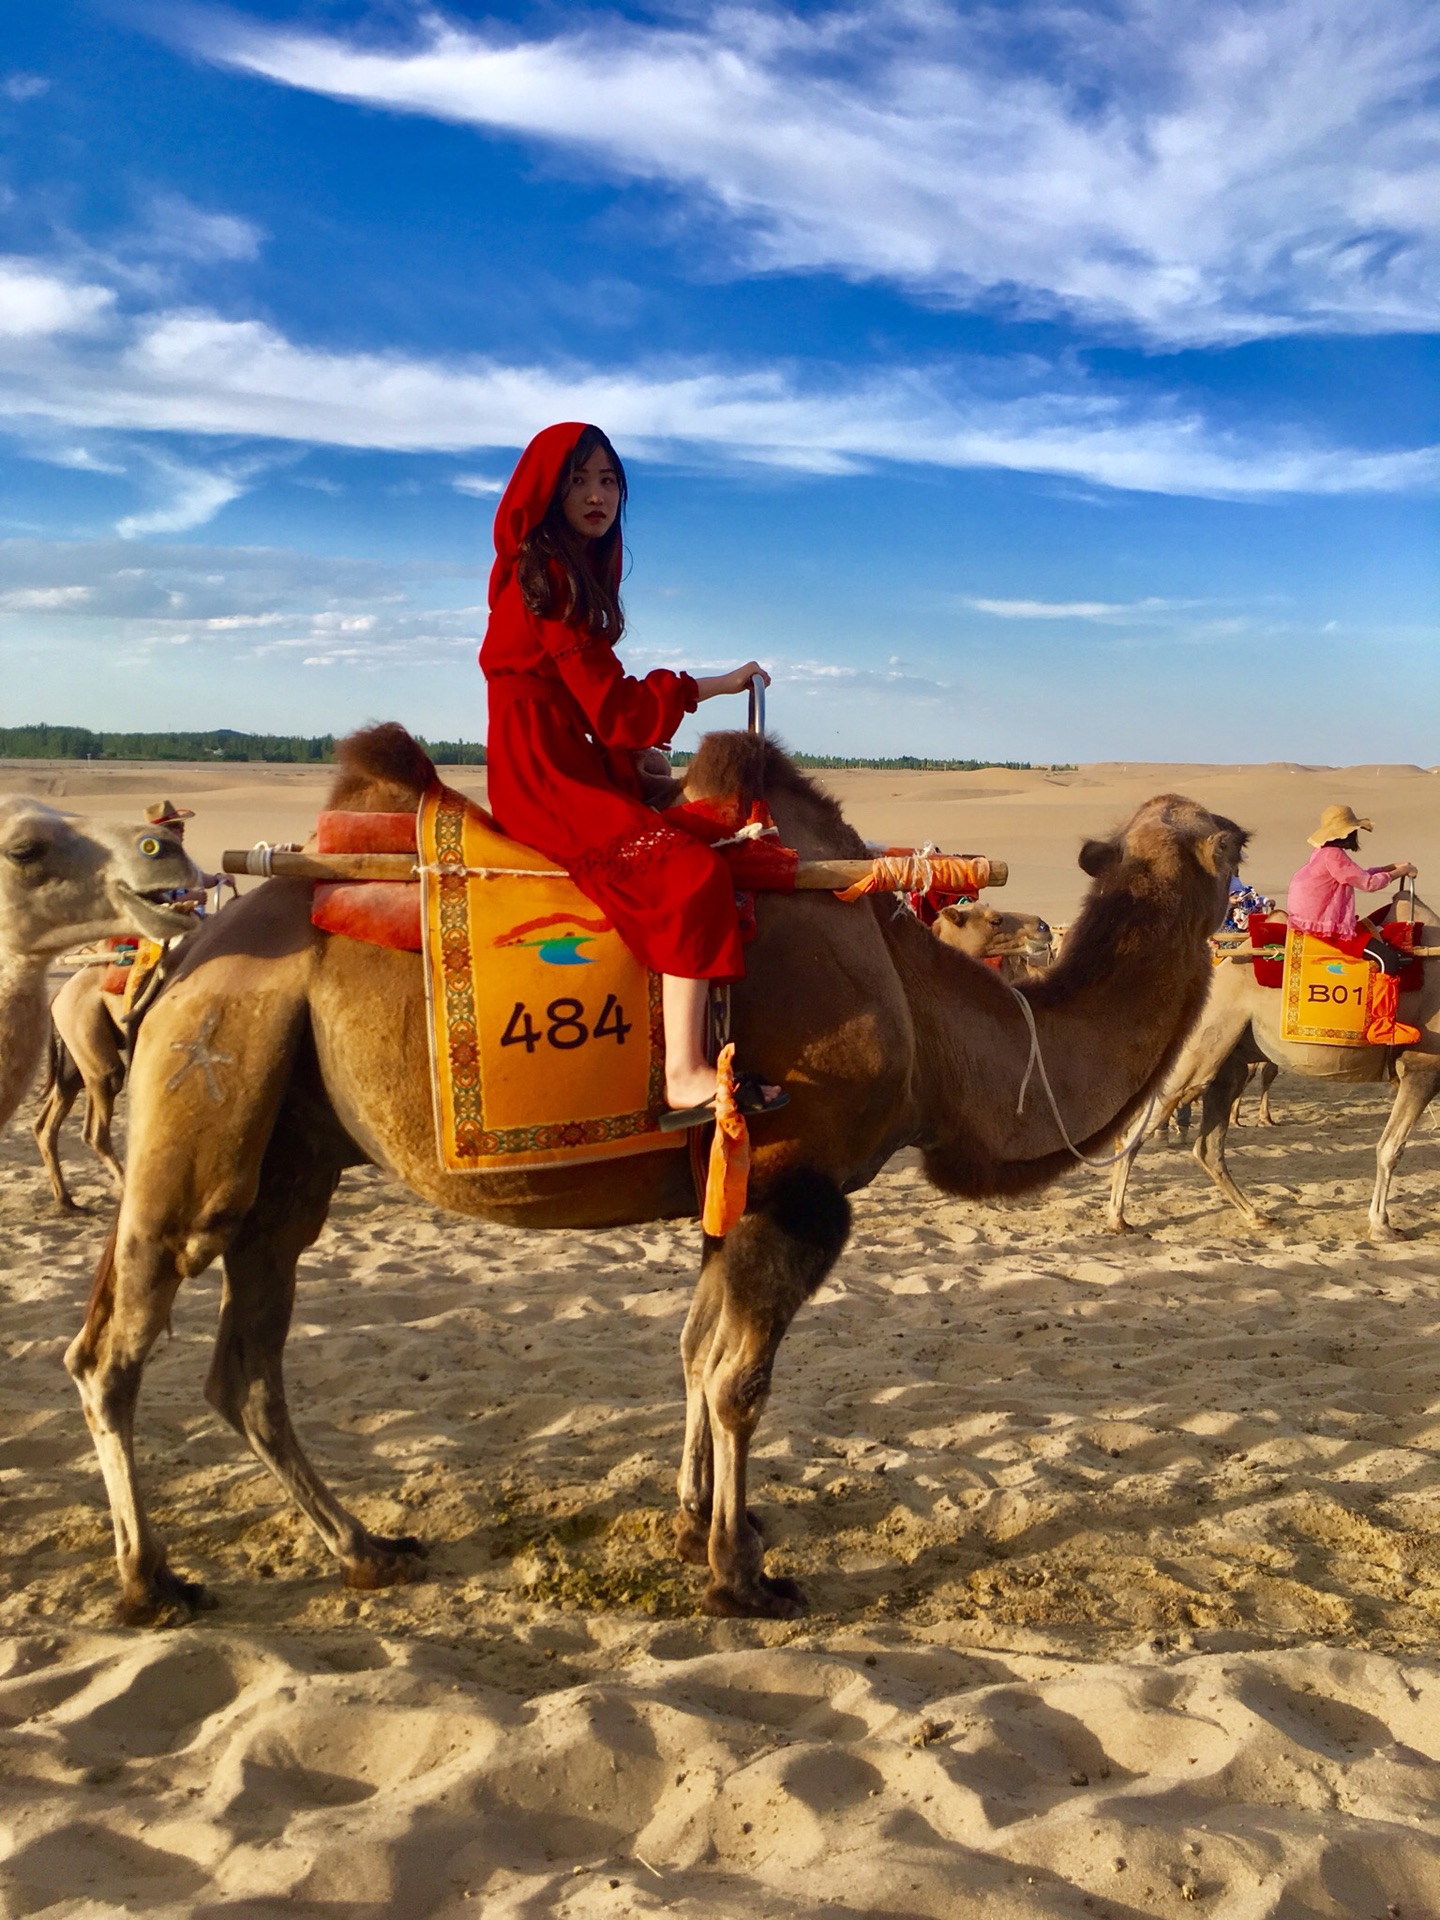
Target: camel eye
(150, 847)
(26, 853)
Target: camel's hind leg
(62, 1090)
(1419, 1076)
(752, 1286)
(100, 1098)
(246, 1382)
(210, 1068)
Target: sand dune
(1036, 820)
(1123, 1555)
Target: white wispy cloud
(237, 604)
(36, 301)
(1186, 170)
(43, 599)
(197, 373)
(478, 485)
(1073, 609)
(191, 495)
(24, 86)
(176, 227)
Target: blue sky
(1026, 381)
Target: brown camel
(63, 881)
(1019, 941)
(301, 1053)
(1240, 1024)
(87, 1034)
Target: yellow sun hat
(1338, 823)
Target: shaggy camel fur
(63, 881)
(86, 1039)
(1240, 1024)
(306, 1052)
(1019, 941)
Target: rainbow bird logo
(555, 947)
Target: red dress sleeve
(622, 711)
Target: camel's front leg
(770, 1263)
(1419, 1075)
(697, 1462)
(1215, 1113)
(1115, 1221)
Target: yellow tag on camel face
(1325, 1000)
(545, 1030)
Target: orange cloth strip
(727, 1183)
(918, 873)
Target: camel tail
(102, 1288)
(56, 1055)
(380, 768)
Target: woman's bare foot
(689, 1089)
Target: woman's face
(592, 499)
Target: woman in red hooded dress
(566, 722)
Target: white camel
(64, 881)
(1239, 1023)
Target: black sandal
(749, 1098)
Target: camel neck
(24, 1017)
(1105, 1035)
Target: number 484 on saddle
(545, 1031)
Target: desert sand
(1123, 1555)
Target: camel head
(1163, 878)
(64, 880)
(1168, 843)
(987, 933)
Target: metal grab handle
(757, 704)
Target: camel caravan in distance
(301, 1053)
(1240, 1026)
(64, 881)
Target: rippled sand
(1123, 1555)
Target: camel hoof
(389, 1561)
(1118, 1227)
(1386, 1235)
(692, 1536)
(768, 1599)
(692, 1539)
(168, 1601)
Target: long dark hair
(564, 576)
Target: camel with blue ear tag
(319, 1048)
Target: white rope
(1035, 1060)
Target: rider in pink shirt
(1322, 894)
(1322, 902)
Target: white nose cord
(1099, 1166)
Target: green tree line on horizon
(44, 742)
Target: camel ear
(1220, 852)
(1099, 856)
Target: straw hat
(161, 812)
(1338, 823)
